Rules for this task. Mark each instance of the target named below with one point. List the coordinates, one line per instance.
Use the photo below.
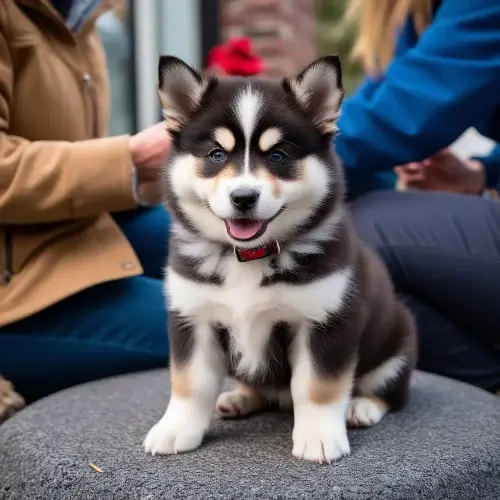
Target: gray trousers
(443, 253)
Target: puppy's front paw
(320, 442)
(10, 400)
(167, 438)
(365, 411)
(180, 430)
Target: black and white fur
(316, 328)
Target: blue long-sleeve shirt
(436, 87)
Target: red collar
(247, 254)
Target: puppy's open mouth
(245, 229)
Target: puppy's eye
(277, 156)
(218, 155)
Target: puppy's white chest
(250, 311)
(247, 310)
(242, 301)
(238, 301)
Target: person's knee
(147, 231)
(130, 313)
(143, 312)
(369, 218)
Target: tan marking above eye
(225, 138)
(269, 138)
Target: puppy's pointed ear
(181, 89)
(319, 91)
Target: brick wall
(283, 31)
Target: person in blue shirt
(439, 83)
(433, 71)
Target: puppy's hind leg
(239, 402)
(386, 387)
(197, 369)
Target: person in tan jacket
(80, 259)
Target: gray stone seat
(445, 445)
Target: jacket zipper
(87, 81)
(8, 271)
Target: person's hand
(443, 171)
(149, 149)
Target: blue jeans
(106, 330)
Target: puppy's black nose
(244, 199)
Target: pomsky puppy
(266, 280)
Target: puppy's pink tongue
(242, 229)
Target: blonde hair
(378, 22)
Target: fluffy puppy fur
(266, 280)
(10, 400)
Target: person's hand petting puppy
(444, 171)
(150, 149)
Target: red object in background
(235, 58)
